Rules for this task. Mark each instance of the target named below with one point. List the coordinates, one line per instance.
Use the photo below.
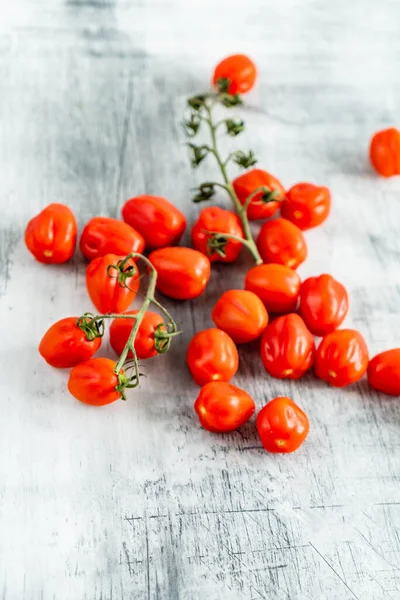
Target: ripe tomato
(120, 331)
(212, 356)
(183, 273)
(246, 184)
(287, 347)
(103, 235)
(280, 241)
(223, 407)
(323, 304)
(51, 235)
(94, 382)
(104, 290)
(240, 70)
(156, 219)
(223, 221)
(342, 357)
(241, 314)
(282, 425)
(384, 152)
(64, 344)
(384, 372)
(278, 286)
(306, 205)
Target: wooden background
(135, 500)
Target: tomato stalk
(93, 325)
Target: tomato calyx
(93, 327)
(163, 337)
(125, 269)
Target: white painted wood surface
(135, 501)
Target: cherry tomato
(282, 425)
(103, 288)
(240, 70)
(280, 241)
(223, 221)
(385, 152)
(384, 372)
(241, 314)
(324, 304)
(103, 235)
(94, 382)
(278, 286)
(183, 273)
(120, 330)
(247, 183)
(51, 235)
(342, 357)
(306, 205)
(287, 347)
(223, 407)
(156, 219)
(212, 356)
(64, 344)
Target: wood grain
(135, 501)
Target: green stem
(241, 210)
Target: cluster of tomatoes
(300, 310)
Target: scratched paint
(135, 500)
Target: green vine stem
(93, 325)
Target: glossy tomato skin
(385, 152)
(276, 285)
(222, 407)
(241, 314)
(342, 357)
(324, 304)
(287, 347)
(247, 183)
(64, 344)
(120, 330)
(214, 218)
(282, 425)
(159, 222)
(281, 241)
(104, 290)
(183, 273)
(212, 356)
(240, 70)
(384, 372)
(94, 382)
(51, 235)
(306, 205)
(103, 235)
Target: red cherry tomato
(306, 205)
(246, 184)
(156, 219)
(282, 425)
(94, 382)
(103, 288)
(241, 314)
(103, 235)
(278, 286)
(280, 241)
(240, 70)
(120, 331)
(64, 344)
(384, 372)
(212, 356)
(222, 407)
(385, 152)
(51, 235)
(342, 357)
(287, 347)
(223, 221)
(183, 273)
(323, 304)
